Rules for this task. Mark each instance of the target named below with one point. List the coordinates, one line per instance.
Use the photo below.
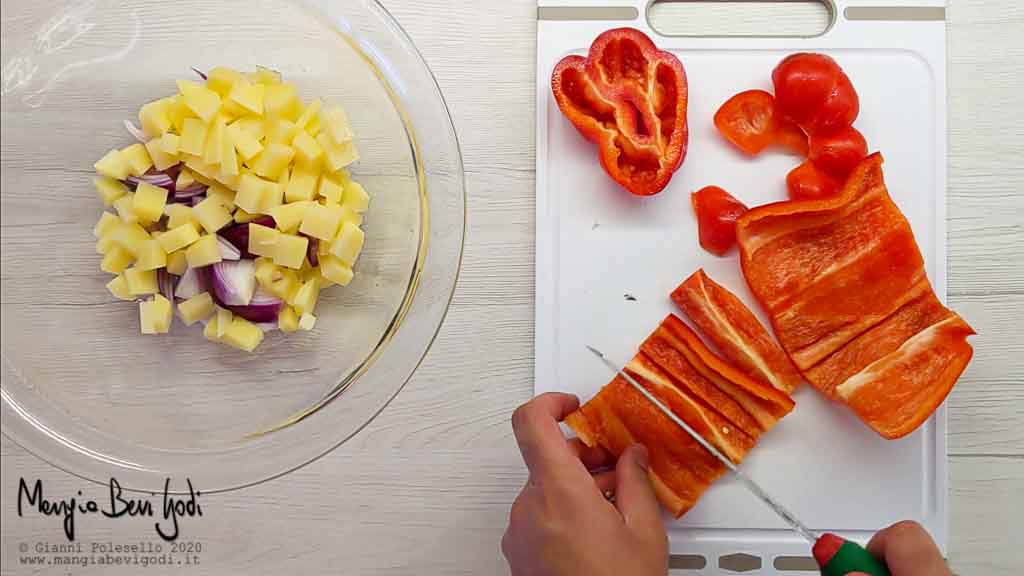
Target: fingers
(606, 483)
(907, 548)
(593, 457)
(540, 440)
(634, 496)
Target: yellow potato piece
(212, 215)
(141, 281)
(109, 189)
(289, 250)
(112, 165)
(148, 202)
(119, 288)
(177, 238)
(203, 252)
(196, 308)
(155, 315)
(151, 256)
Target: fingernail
(641, 456)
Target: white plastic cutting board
(596, 244)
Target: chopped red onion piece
(263, 308)
(267, 326)
(238, 234)
(313, 252)
(135, 131)
(195, 200)
(228, 250)
(190, 284)
(188, 192)
(201, 75)
(159, 179)
(166, 281)
(234, 281)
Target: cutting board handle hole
(731, 18)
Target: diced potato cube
(184, 180)
(305, 299)
(178, 237)
(306, 148)
(106, 224)
(200, 99)
(213, 331)
(125, 209)
(193, 137)
(155, 117)
(141, 281)
(137, 158)
(130, 237)
(265, 76)
(356, 197)
(333, 269)
(337, 156)
(263, 240)
(272, 160)
(224, 318)
(201, 171)
(179, 214)
(196, 308)
(265, 271)
(241, 216)
(242, 334)
(177, 263)
(119, 288)
(214, 144)
(280, 130)
(203, 252)
(348, 244)
(308, 114)
(255, 193)
(247, 144)
(169, 144)
(148, 202)
(155, 315)
(289, 250)
(151, 256)
(223, 195)
(212, 215)
(350, 215)
(116, 260)
(109, 189)
(221, 79)
(321, 221)
(287, 319)
(229, 180)
(289, 216)
(161, 159)
(247, 95)
(255, 126)
(307, 322)
(331, 188)
(112, 165)
(313, 127)
(229, 163)
(104, 244)
(178, 112)
(302, 185)
(338, 127)
(281, 101)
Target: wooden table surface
(425, 489)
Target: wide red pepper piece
(629, 98)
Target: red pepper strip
(734, 329)
(629, 98)
(766, 404)
(717, 212)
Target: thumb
(634, 496)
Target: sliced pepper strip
(766, 404)
(629, 98)
(734, 329)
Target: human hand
(562, 524)
(908, 550)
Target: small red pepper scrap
(717, 212)
(808, 182)
(839, 151)
(748, 120)
(629, 98)
(812, 91)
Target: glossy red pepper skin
(717, 212)
(808, 182)
(629, 98)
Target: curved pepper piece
(629, 98)
(716, 212)
(844, 285)
(734, 329)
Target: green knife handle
(852, 557)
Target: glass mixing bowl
(82, 388)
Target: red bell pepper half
(629, 98)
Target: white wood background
(425, 489)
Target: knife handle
(838, 557)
